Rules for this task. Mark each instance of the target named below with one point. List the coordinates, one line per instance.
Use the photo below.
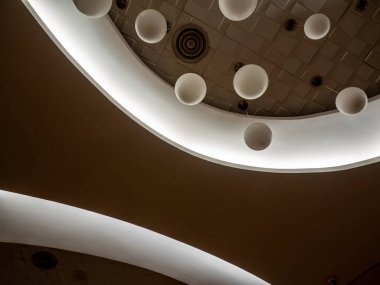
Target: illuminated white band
(33, 221)
(327, 142)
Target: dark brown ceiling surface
(17, 268)
(64, 141)
(348, 56)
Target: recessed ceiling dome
(190, 89)
(251, 81)
(317, 26)
(151, 26)
(93, 8)
(237, 10)
(351, 100)
(258, 136)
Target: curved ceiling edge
(327, 142)
(29, 220)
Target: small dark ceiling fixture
(190, 43)
(168, 27)
(290, 24)
(361, 5)
(238, 66)
(122, 4)
(44, 260)
(332, 280)
(243, 105)
(316, 81)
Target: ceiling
(62, 140)
(348, 56)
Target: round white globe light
(237, 10)
(190, 89)
(317, 26)
(351, 100)
(250, 81)
(93, 8)
(258, 136)
(151, 26)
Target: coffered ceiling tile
(224, 80)
(342, 74)
(275, 13)
(324, 98)
(373, 59)
(283, 112)
(230, 47)
(149, 54)
(248, 24)
(321, 65)
(339, 37)
(284, 44)
(365, 71)
(275, 57)
(301, 89)
(279, 90)
(312, 4)
(266, 28)
(221, 104)
(301, 12)
(248, 56)
(281, 3)
(221, 62)
(351, 23)
(224, 94)
(268, 67)
(249, 41)
(204, 3)
(305, 51)
(294, 103)
(329, 49)
(292, 64)
(214, 38)
(357, 46)
(196, 10)
(170, 12)
(266, 102)
(370, 33)
(313, 107)
(334, 9)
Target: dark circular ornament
(122, 4)
(316, 81)
(243, 105)
(44, 260)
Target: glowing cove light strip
(33, 221)
(327, 142)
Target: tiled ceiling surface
(348, 56)
(17, 268)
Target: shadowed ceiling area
(18, 265)
(62, 140)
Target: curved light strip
(308, 144)
(33, 221)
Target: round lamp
(237, 10)
(151, 26)
(93, 8)
(190, 89)
(351, 100)
(250, 81)
(317, 26)
(258, 136)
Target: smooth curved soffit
(33, 221)
(327, 142)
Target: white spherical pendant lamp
(93, 8)
(317, 26)
(237, 10)
(257, 136)
(151, 26)
(351, 101)
(190, 89)
(250, 81)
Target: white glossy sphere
(237, 10)
(151, 26)
(258, 136)
(250, 81)
(190, 89)
(351, 100)
(93, 8)
(317, 26)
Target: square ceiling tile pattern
(348, 56)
